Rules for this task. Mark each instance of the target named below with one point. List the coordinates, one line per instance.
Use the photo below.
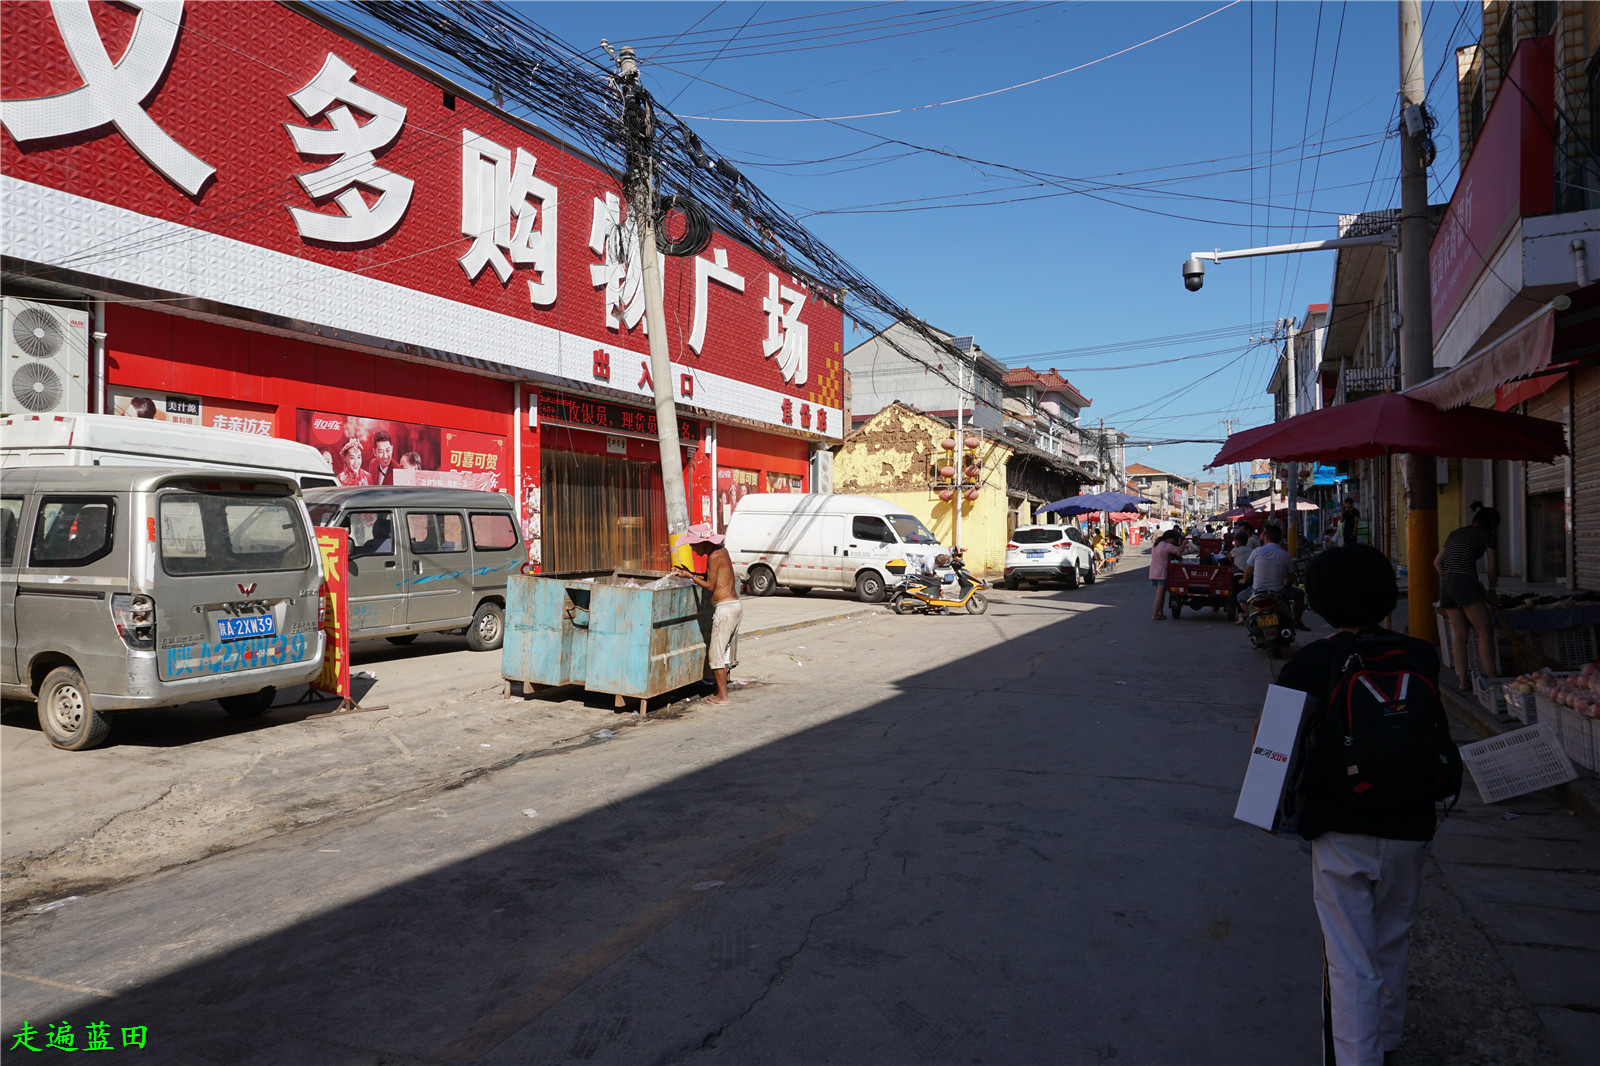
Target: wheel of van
(762, 581)
(800, 590)
(488, 628)
(65, 714)
(977, 603)
(403, 639)
(249, 704)
(869, 586)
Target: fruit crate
(1570, 647)
(1523, 706)
(1491, 693)
(1580, 736)
(1514, 763)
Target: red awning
(1524, 350)
(1391, 424)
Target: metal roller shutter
(1548, 477)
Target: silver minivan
(130, 587)
(425, 560)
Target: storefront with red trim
(360, 255)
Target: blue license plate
(250, 625)
(1034, 554)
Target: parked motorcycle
(908, 597)
(1269, 621)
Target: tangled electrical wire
(531, 71)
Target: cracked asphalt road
(995, 839)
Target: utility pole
(1227, 427)
(961, 447)
(1416, 326)
(1292, 470)
(638, 185)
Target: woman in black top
(1461, 596)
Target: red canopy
(1391, 423)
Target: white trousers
(1366, 891)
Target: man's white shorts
(724, 623)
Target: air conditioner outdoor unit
(45, 350)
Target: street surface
(994, 839)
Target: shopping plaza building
(246, 216)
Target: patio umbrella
(1390, 424)
(1097, 501)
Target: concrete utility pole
(638, 185)
(1227, 431)
(961, 448)
(1416, 326)
(1291, 470)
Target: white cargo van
(812, 540)
(116, 440)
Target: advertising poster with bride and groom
(377, 451)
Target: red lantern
(973, 471)
(972, 442)
(972, 494)
(947, 494)
(948, 444)
(947, 472)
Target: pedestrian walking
(1462, 596)
(1167, 547)
(1348, 517)
(1375, 707)
(727, 610)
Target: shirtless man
(718, 580)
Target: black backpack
(1381, 740)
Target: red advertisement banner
(164, 406)
(334, 544)
(377, 451)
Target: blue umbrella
(1097, 501)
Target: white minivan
(803, 541)
(116, 440)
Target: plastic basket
(1521, 761)
(1579, 737)
(1571, 647)
(1491, 693)
(1523, 706)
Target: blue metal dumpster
(632, 633)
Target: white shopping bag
(1272, 757)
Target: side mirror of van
(354, 569)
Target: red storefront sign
(273, 165)
(1510, 176)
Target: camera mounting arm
(1194, 269)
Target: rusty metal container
(631, 633)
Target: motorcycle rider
(1270, 568)
(927, 579)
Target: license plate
(250, 625)
(1034, 554)
(1266, 620)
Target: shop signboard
(249, 155)
(610, 418)
(376, 451)
(1509, 176)
(334, 544)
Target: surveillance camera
(1194, 274)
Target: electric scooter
(907, 598)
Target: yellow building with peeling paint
(895, 455)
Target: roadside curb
(810, 622)
(1581, 796)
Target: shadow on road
(1010, 857)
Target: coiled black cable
(696, 228)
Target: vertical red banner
(334, 544)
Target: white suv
(1049, 553)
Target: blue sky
(1261, 123)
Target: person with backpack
(1374, 757)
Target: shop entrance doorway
(601, 512)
